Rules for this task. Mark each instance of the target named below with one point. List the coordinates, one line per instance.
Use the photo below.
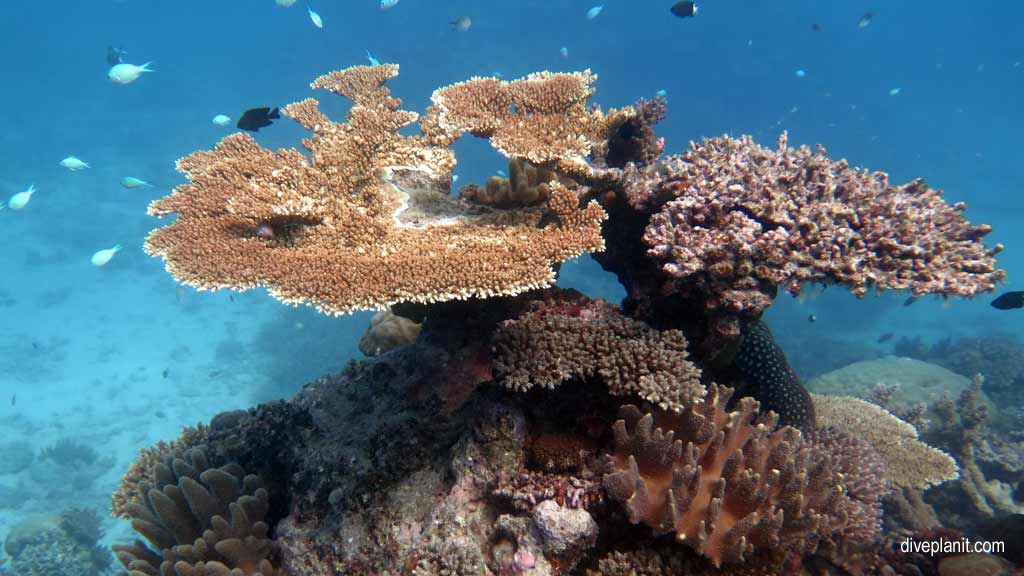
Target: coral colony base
(504, 427)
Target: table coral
(368, 220)
(737, 221)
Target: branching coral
(728, 485)
(199, 520)
(368, 221)
(556, 340)
(742, 220)
(908, 461)
(542, 118)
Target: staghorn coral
(728, 485)
(742, 220)
(199, 520)
(542, 118)
(908, 461)
(555, 340)
(368, 220)
(386, 332)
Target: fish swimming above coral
(1009, 301)
(255, 118)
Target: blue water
(117, 358)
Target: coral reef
(997, 357)
(134, 484)
(18, 455)
(526, 185)
(368, 222)
(736, 221)
(728, 485)
(386, 332)
(556, 340)
(64, 544)
(908, 461)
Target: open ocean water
(97, 362)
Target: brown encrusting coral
(728, 484)
(199, 520)
(386, 332)
(369, 221)
(558, 339)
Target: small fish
(462, 23)
(816, 27)
(101, 257)
(1009, 301)
(179, 293)
(231, 297)
(131, 183)
(895, 91)
(73, 164)
(21, 199)
(684, 9)
(160, 414)
(594, 11)
(14, 399)
(221, 120)
(284, 3)
(214, 373)
(564, 52)
(865, 20)
(127, 73)
(115, 56)
(910, 301)
(885, 337)
(661, 93)
(812, 318)
(373, 61)
(800, 73)
(386, 4)
(317, 20)
(255, 118)
(166, 372)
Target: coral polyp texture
(199, 520)
(368, 220)
(728, 485)
(561, 338)
(739, 220)
(543, 118)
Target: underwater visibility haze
(532, 288)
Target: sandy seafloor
(115, 358)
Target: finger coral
(542, 118)
(742, 220)
(727, 484)
(908, 461)
(367, 220)
(199, 521)
(558, 339)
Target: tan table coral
(367, 220)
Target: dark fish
(770, 379)
(812, 318)
(865, 20)
(160, 414)
(165, 372)
(684, 9)
(1009, 300)
(214, 373)
(14, 399)
(256, 118)
(115, 56)
(816, 27)
(910, 301)
(885, 337)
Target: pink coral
(739, 220)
